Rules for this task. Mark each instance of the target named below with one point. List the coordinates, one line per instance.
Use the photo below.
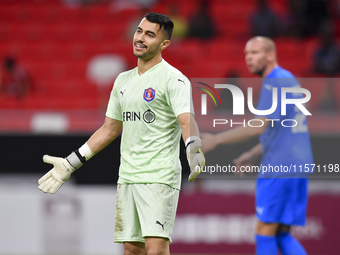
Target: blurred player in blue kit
(281, 197)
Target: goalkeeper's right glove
(195, 156)
(63, 168)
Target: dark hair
(162, 20)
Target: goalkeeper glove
(63, 168)
(195, 156)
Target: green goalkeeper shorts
(144, 210)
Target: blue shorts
(282, 200)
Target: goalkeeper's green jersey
(148, 106)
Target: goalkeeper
(152, 104)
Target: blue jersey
(286, 148)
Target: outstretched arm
(64, 167)
(105, 135)
(235, 135)
(248, 158)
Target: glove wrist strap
(74, 160)
(80, 156)
(191, 140)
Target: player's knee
(133, 249)
(157, 246)
(283, 228)
(266, 229)
(155, 251)
(134, 252)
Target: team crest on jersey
(149, 94)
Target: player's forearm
(188, 125)
(100, 139)
(256, 151)
(237, 135)
(240, 134)
(104, 136)
(193, 144)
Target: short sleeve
(266, 94)
(113, 110)
(266, 100)
(179, 95)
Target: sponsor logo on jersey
(131, 116)
(149, 94)
(149, 116)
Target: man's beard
(146, 55)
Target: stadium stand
(55, 43)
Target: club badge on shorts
(149, 94)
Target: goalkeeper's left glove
(195, 156)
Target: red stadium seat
(55, 43)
